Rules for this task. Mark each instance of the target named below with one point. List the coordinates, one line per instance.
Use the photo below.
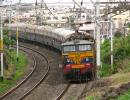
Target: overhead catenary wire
(84, 9)
(81, 7)
(36, 4)
(49, 10)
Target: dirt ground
(108, 87)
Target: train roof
(63, 32)
(86, 27)
(77, 42)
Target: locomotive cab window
(68, 48)
(85, 47)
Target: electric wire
(81, 7)
(49, 10)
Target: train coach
(42, 34)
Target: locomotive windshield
(85, 47)
(81, 47)
(69, 48)
(75, 46)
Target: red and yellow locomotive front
(78, 60)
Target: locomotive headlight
(68, 60)
(87, 59)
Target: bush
(121, 51)
(118, 34)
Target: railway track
(50, 90)
(39, 73)
(53, 88)
(63, 92)
(74, 91)
(54, 83)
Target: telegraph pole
(111, 31)
(17, 33)
(98, 61)
(1, 47)
(94, 33)
(36, 4)
(9, 25)
(17, 43)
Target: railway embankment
(114, 83)
(13, 70)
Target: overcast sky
(58, 2)
(53, 1)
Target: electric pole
(111, 31)
(9, 25)
(1, 47)
(36, 4)
(111, 34)
(17, 33)
(98, 61)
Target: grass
(20, 65)
(90, 98)
(125, 96)
(15, 71)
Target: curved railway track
(54, 84)
(53, 87)
(48, 90)
(40, 72)
(63, 92)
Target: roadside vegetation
(115, 75)
(125, 96)
(13, 69)
(121, 55)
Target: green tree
(7, 40)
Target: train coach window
(68, 48)
(84, 47)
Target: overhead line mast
(17, 31)
(1, 47)
(98, 57)
(36, 4)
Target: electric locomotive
(78, 58)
